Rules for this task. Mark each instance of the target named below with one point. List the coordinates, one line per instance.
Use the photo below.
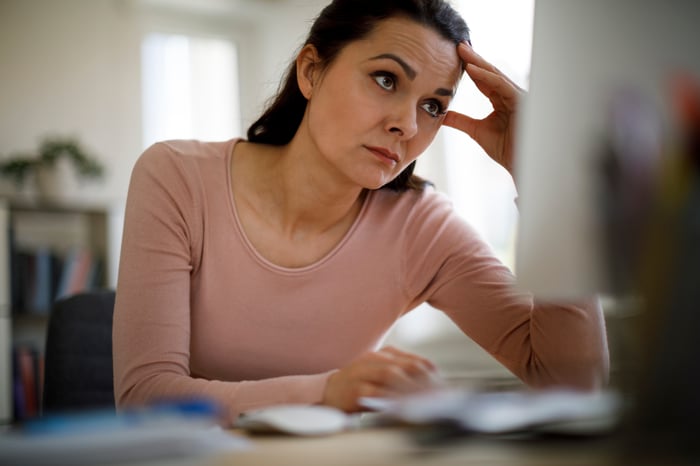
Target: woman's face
(379, 104)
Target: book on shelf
(40, 276)
(42, 293)
(79, 272)
(27, 370)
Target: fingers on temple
(502, 93)
(479, 64)
(486, 79)
(469, 56)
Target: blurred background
(95, 82)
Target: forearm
(542, 343)
(142, 387)
(567, 346)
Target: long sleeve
(543, 343)
(161, 250)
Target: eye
(434, 108)
(385, 80)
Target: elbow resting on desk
(564, 346)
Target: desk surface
(399, 446)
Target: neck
(300, 195)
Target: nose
(403, 121)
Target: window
(482, 191)
(190, 88)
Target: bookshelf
(47, 250)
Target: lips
(385, 153)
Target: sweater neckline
(262, 259)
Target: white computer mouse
(295, 419)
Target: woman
(267, 270)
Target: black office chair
(78, 360)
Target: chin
(375, 185)
(374, 180)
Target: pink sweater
(200, 313)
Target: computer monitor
(584, 52)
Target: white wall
(73, 67)
(70, 67)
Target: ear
(307, 69)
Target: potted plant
(44, 165)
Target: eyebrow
(410, 72)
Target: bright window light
(190, 88)
(482, 191)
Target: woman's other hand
(495, 133)
(386, 373)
